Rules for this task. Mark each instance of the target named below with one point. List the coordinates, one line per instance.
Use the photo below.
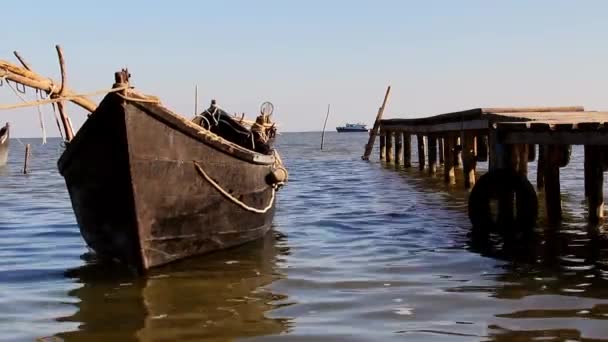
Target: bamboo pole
(374, 131)
(324, 125)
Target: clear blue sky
(439, 56)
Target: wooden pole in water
(398, 147)
(407, 150)
(457, 147)
(440, 147)
(382, 144)
(374, 131)
(432, 147)
(448, 165)
(389, 146)
(553, 202)
(540, 168)
(421, 153)
(469, 159)
(594, 183)
(27, 157)
(324, 124)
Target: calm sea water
(361, 252)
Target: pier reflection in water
(221, 298)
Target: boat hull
(139, 198)
(351, 130)
(4, 144)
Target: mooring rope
(40, 115)
(68, 98)
(232, 198)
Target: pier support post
(540, 167)
(553, 202)
(432, 145)
(407, 150)
(594, 183)
(481, 146)
(398, 148)
(531, 152)
(519, 158)
(457, 148)
(469, 160)
(382, 145)
(421, 153)
(389, 146)
(448, 166)
(440, 147)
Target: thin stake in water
(325, 124)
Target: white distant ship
(349, 127)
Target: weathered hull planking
(138, 196)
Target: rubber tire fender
(490, 186)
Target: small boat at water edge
(350, 127)
(4, 143)
(149, 187)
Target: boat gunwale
(180, 124)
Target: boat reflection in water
(218, 296)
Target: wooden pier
(507, 138)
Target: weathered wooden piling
(594, 183)
(27, 158)
(540, 168)
(398, 148)
(382, 139)
(440, 148)
(421, 153)
(432, 147)
(553, 202)
(469, 160)
(389, 146)
(481, 146)
(449, 175)
(407, 150)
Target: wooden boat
(149, 187)
(4, 142)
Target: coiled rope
(234, 199)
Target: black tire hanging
(490, 186)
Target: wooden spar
(540, 168)
(67, 125)
(29, 78)
(374, 131)
(27, 157)
(324, 125)
(398, 148)
(407, 150)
